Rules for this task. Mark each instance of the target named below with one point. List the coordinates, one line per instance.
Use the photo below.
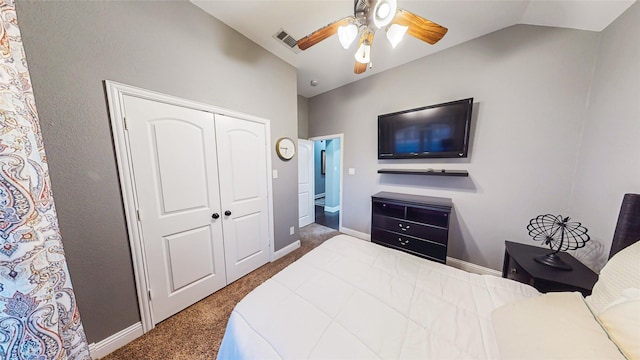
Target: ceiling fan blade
(323, 33)
(420, 27)
(359, 67)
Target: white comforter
(352, 299)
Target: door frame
(341, 137)
(115, 96)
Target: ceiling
(332, 66)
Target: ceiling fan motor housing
(361, 12)
(373, 15)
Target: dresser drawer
(410, 228)
(416, 246)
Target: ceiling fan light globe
(383, 12)
(363, 55)
(395, 33)
(346, 35)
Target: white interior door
(173, 150)
(242, 160)
(306, 198)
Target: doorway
(328, 180)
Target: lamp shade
(346, 35)
(395, 34)
(363, 54)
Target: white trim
(354, 233)
(318, 196)
(332, 209)
(286, 250)
(471, 267)
(115, 93)
(341, 137)
(115, 97)
(272, 247)
(115, 341)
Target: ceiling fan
(368, 17)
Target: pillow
(551, 326)
(627, 295)
(621, 320)
(621, 272)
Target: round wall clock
(285, 148)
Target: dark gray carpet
(196, 332)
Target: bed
(353, 299)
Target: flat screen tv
(435, 131)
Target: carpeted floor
(196, 332)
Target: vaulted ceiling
(332, 66)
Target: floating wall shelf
(432, 172)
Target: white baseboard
(285, 250)
(331, 208)
(122, 338)
(318, 196)
(115, 341)
(472, 268)
(354, 233)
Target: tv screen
(436, 131)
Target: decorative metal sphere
(557, 232)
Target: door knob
(215, 215)
(227, 213)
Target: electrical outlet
(292, 230)
(352, 171)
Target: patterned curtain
(39, 318)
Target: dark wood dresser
(418, 225)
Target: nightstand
(520, 266)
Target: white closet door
(242, 160)
(174, 153)
(306, 197)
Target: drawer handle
(403, 242)
(404, 228)
(514, 270)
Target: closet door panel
(248, 229)
(242, 161)
(174, 160)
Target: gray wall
(530, 86)
(609, 161)
(169, 47)
(303, 117)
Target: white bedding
(352, 299)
